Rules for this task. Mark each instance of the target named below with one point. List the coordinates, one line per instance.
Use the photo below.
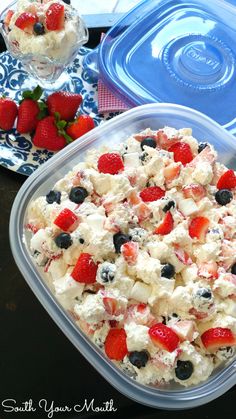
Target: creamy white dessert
(138, 243)
(30, 33)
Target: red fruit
(30, 110)
(48, 136)
(115, 344)
(194, 191)
(129, 251)
(110, 163)
(26, 21)
(27, 116)
(164, 337)
(65, 103)
(85, 270)
(208, 270)
(182, 152)
(198, 228)
(166, 225)
(55, 17)
(172, 171)
(206, 155)
(152, 193)
(217, 337)
(227, 180)
(8, 113)
(182, 255)
(65, 219)
(8, 17)
(164, 141)
(110, 305)
(83, 124)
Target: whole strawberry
(64, 103)
(80, 126)
(50, 134)
(31, 110)
(8, 113)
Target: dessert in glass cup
(45, 35)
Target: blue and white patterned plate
(17, 152)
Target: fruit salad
(46, 28)
(138, 244)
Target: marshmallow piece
(141, 292)
(131, 160)
(187, 206)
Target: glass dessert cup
(48, 72)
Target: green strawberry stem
(61, 125)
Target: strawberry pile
(52, 123)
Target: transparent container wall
(115, 131)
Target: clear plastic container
(174, 51)
(117, 130)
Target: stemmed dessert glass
(51, 74)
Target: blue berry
(233, 269)
(204, 293)
(202, 146)
(119, 239)
(168, 206)
(39, 29)
(184, 370)
(223, 196)
(150, 142)
(53, 196)
(107, 272)
(168, 271)
(66, 1)
(139, 359)
(78, 194)
(63, 240)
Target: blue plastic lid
(182, 52)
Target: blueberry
(144, 157)
(119, 239)
(139, 359)
(184, 370)
(150, 142)
(168, 271)
(202, 146)
(107, 272)
(168, 206)
(53, 196)
(66, 1)
(78, 194)
(63, 240)
(81, 241)
(39, 29)
(204, 293)
(223, 196)
(233, 269)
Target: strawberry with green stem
(31, 110)
(50, 133)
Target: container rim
(165, 399)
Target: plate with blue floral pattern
(17, 152)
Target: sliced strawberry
(85, 270)
(26, 22)
(142, 211)
(129, 251)
(208, 270)
(217, 337)
(134, 198)
(182, 255)
(65, 219)
(164, 141)
(110, 305)
(227, 180)
(152, 193)
(198, 228)
(140, 314)
(194, 191)
(184, 329)
(206, 155)
(115, 344)
(171, 171)
(182, 152)
(164, 337)
(199, 315)
(55, 17)
(166, 225)
(8, 17)
(111, 163)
